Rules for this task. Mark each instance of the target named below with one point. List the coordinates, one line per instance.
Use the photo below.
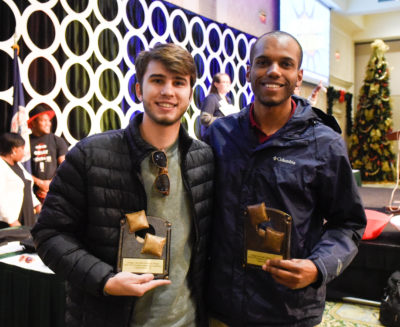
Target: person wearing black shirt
(47, 150)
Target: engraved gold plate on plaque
(258, 258)
(143, 266)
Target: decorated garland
(341, 96)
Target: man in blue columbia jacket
(281, 151)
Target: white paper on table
(33, 263)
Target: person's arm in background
(313, 98)
(60, 159)
(206, 119)
(42, 184)
(62, 149)
(208, 108)
(37, 206)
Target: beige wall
(348, 72)
(384, 26)
(240, 14)
(342, 68)
(347, 32)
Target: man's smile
(166, 104)
(271, 85)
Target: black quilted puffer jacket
(78, 229)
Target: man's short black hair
(277, 35)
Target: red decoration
(263, 16)
(341, 96)
(376, 222)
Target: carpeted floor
(338, 314)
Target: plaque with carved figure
(267, 234)
(144, 245)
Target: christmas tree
(370, 151)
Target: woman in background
(17, 200)
(216, 104)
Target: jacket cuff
(103, 284)
(322, 272)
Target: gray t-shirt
(169, 305)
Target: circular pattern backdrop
(83, 58)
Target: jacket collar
(312, 114)
(304, 116)
(140, 149)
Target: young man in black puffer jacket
(110, 174)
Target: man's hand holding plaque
(128, 284)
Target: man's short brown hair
(172, 56)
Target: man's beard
(268, 102)
(163, 121)
(271, 103)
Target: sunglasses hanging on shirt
(159, 158)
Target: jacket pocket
(305, 302)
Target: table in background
(30, 298)
(377, 259)
(367, 275)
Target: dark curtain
(30, 298)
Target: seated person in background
(217, 104)
(47, 150)
(17, 200)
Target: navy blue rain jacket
(302, 169)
